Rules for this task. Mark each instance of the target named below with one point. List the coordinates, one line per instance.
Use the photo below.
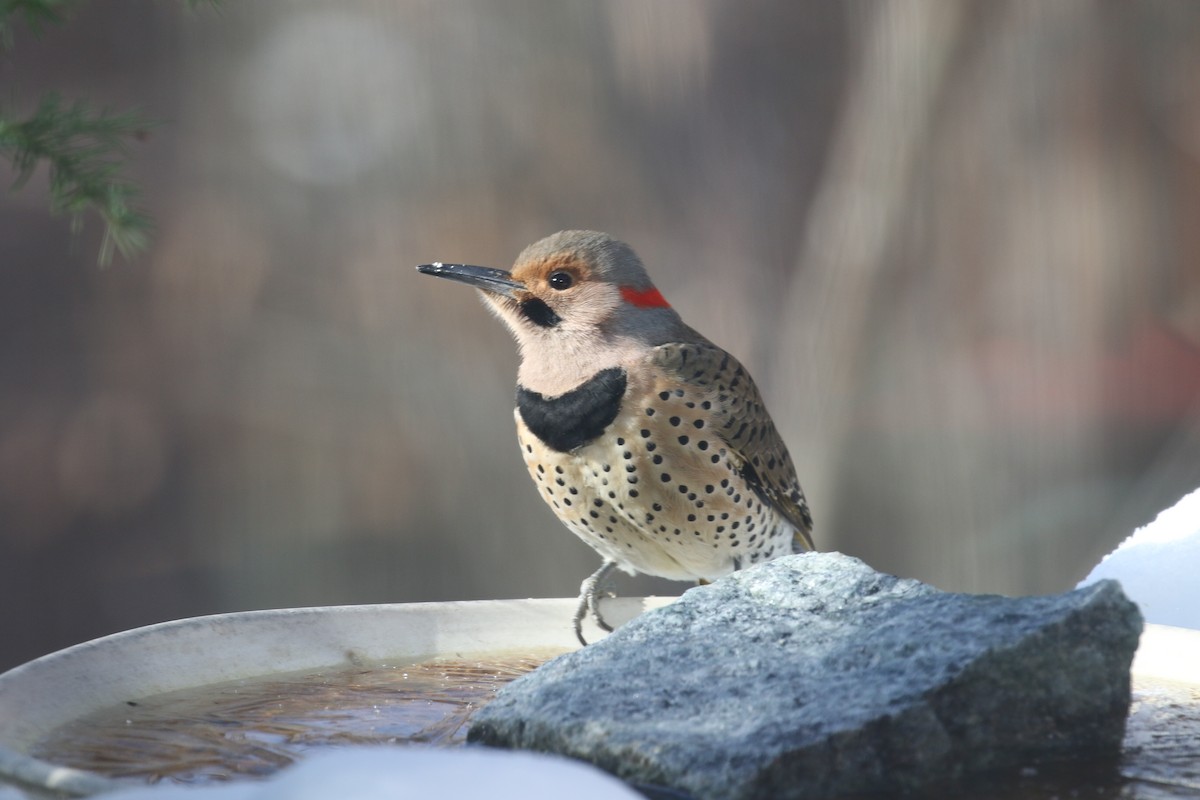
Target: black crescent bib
(574, 418)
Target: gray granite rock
(816, 676)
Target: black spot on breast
(574, 418)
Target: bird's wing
(742, 422)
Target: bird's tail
(802, 541)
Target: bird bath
(357, 656)
(237, 661)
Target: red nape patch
(645, 298)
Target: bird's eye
(561, 280)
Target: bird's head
(576, 302)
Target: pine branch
(35, 13)
(85, 152)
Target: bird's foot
(590, 592)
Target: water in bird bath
(256, 726)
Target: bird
(649, 442)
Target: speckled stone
(815, 676)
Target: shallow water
(255, 727)
(1161, 753)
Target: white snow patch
(411, 773)
(1159, 566)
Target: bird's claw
(590, 592)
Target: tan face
(562, 294)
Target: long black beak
(496, 281)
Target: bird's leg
(589, 599)
(596, 590)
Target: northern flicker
(648, 441)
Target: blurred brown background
(956, 243)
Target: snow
(1159, 566)
(401, 773)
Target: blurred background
(957, 243)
